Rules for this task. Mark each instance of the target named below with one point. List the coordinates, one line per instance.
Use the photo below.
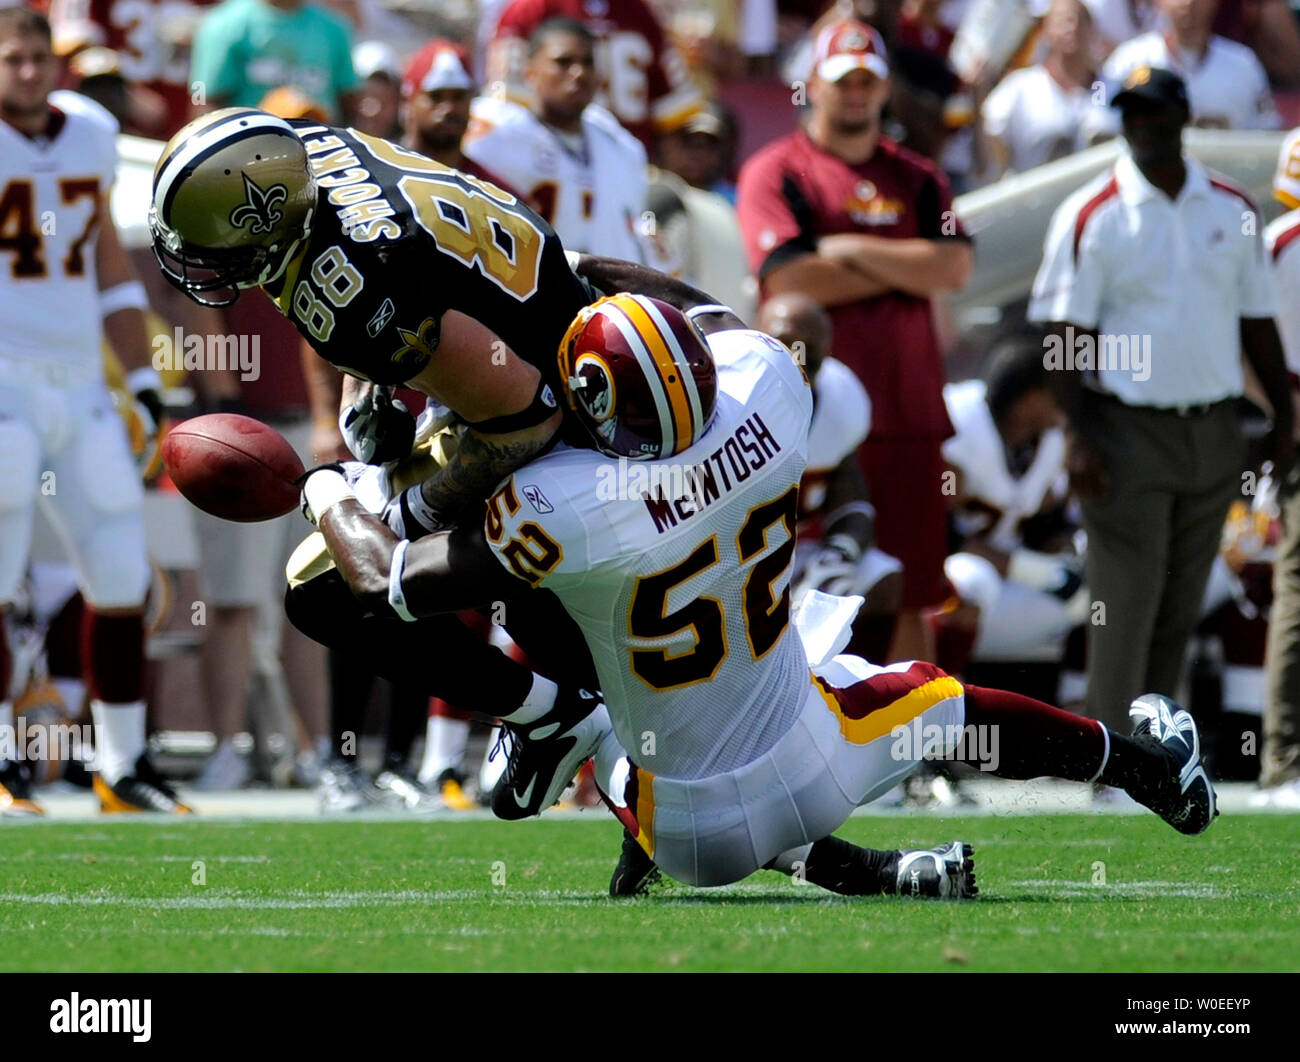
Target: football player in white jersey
(66, 284)
(836, 550)
(736, 742)
(578, 167)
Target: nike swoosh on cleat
(526, 799)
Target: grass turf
(482, 895)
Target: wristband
(396, 596)
(129, 295)
(145, 378)
(323, 489)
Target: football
(233, 467)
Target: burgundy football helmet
(639, 376)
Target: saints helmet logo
(258, 211)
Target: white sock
(119, 737)
(72, 692)
(7, 719)
(540, 700)
(445, 742)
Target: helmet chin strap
(275, 271)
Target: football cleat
(543, 757)
(406, 793)
(344, 788)
(16, 790)
(452, 790)
(946, 872)
(142, 790)
(635, 872)
(1186, 800)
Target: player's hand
(1281, 451)
(410, 516)
(1088, 476)
(145, 420)
(369, 483)
(377, 427)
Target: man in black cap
(1153, 280)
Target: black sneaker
(635, 872)
(142, 790)
(1186, 800)
(545, 755)
(946, 872)
(16, 790)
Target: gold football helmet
(233, 196)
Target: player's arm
(848, 508)
(917, 266)
(122, 296)
(1262, 346)
(325, 388)
(447, 571)
(512, 416)
(612, 275)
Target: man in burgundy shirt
(841, 213)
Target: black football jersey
(398, 239)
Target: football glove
(143, 415)
(834, 570)
(369, 484)
(410, 516)
(377, 427)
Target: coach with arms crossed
(1164, 255)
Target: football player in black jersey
(399, 270)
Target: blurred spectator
(1016, 572)
(437, 90)
(1117, 21)
(1034, 114)
(641, 77)
(841, 213)
(1145, 344)
(1280, 768)
(245, 48)
(379, 97)
(835, 549)
(582, 171)
(707, 33)
(1270, 29)
(97, 74)
(700, 151)
(1226, 85)
(152, 39)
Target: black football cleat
(16, 790)
(142, 790)
(635, 872)
(543, 758)
(945, 873)
(1187, 799)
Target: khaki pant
(1281, 752)
(1151, 543)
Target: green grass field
(481, 895)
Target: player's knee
(20, 466)
(319, 606)
(115, 568)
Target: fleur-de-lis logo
(419, 345)
(258, 211)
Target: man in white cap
(843, 214)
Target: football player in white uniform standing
(670, 544)
(581, 170)
(64, 284)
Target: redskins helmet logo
(594, 386)
(853, 41)
(258, 210)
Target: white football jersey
(841, 421)
(1282, 238)
(50, 191)
(591, 187)
(678, 571)
(976, 450)
(1227, 87)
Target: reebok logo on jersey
(537, 499)
(382, 316)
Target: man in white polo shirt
(1279, 774)
(1153, 283)
(1227, 87)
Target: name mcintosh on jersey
(672, 492)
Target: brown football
(233, 467)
